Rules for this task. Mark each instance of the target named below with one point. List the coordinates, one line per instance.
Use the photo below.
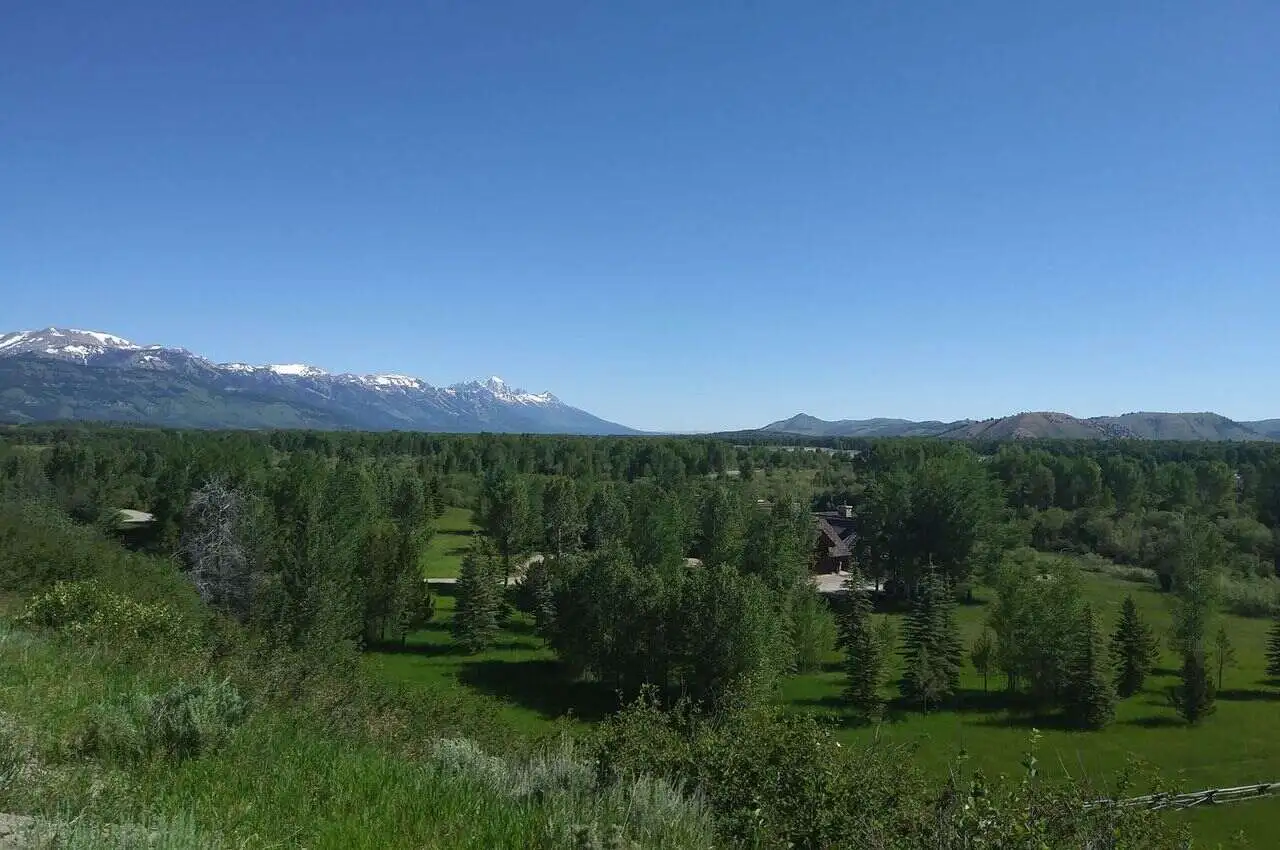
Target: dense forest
(674, 572)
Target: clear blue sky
(676, 215)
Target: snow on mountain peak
(86, 346)
(297, 370)
(105, 339)
(394, 381)
(63, 342)
(502, 391)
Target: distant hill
(803, 424)
(1266, 427)
(1041, 425)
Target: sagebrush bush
(1254, 597)
(87, 610)
(183, 722)
(78, 834)
(579, 802)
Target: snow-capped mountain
(59, 373)
(68, 343)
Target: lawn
(1238, 745)
(443, 556)
(519, 672)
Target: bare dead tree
(215, 549)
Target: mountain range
(58, 374)
(64, 374)
(1044, 425)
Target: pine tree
(1195, 696)
(931, 630)
(536, 593)
(1091, 703)
(1273, 650)
(475, 618)
(1224, 654)
(864, 661)
(1133, 650)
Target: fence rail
(1210, 797)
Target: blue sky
(676, 215)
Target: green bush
(782, 781)
(89, 611)
(183, 722)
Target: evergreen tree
(1090, 701)
(1224, 654)
(930, 630)
(1194, 697)
(864, 662)
(479, 599)
(1273, 650)
(1133, 650)
(536, 594)
(983, 656)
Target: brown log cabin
(836, 537)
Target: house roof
(132, 517)
(837, 531)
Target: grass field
(1238, 745)
(519, 672)
(443, 557)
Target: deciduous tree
(1224, 654)
(983, 655)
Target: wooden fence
(1211, 797)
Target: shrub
(1093, 562)
(771, 779)
(1097, 564)
(183, 722)
(39, 545)
(779, 781)
(1257, 597)
(87, 610)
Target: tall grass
(99, 744)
